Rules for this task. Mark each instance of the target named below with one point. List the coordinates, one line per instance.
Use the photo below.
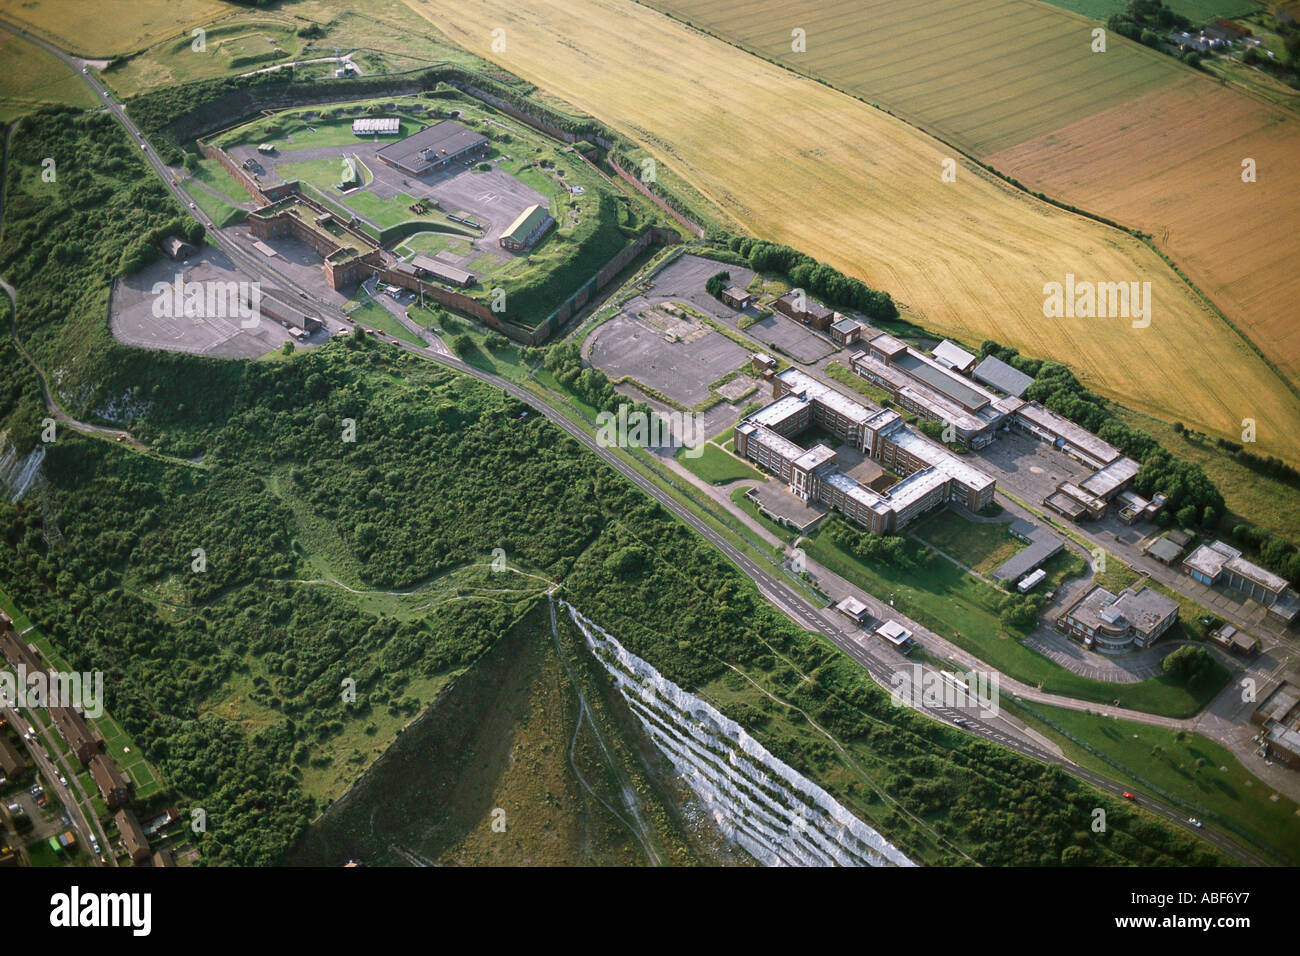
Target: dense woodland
(442, 471)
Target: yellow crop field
(107, 28)
(796, 161)
(32, 76)
(1129, 133)
(1142, 162)
(983, 74)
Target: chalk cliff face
(18, 473)
(773, 812)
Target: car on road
(1129, 796)
(63, 780)
(1195, 822)
(960, 722)
(371, 332)
(394, 342)
(191, 205)
(84, 70)
(303, 294)
(94, 844)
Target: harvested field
(862, 191)
(33, 77)
(1170, 163)
(984, 74)
(96, 28)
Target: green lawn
(431, 242)
(324, 174)
(716, 466)
(219, 211)
(212, 174)
(499, 361)
(374, 316)
(388, 212)
(1187, 769)
(963, 609)
(738, 498)
(982, 545)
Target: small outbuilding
(177, 248)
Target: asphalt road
(775, 590)
(72, 801)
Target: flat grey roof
(942, 381)
(1142, 610)
(1003, 377)
(1208, 560)
(953, 355)
(1042, 545)
(1164, 550)
(448, 136)
(845, 325)
(1061, 427)
(1104, 482)
(800, 381)
(442, 270)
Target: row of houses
(114, 786)
(932, 475)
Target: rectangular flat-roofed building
(1005, 378)
(527, 229)
(1217, 563)
(805, 310)
(1074, 440)
(435, 147)
(1112, 479)
(953, 356)
(377, 126)
(896, 634)
(1113, 624)
(452, 275)
(1093, 506)
(920, 385)
(855, 610)
(736, 297)
(846, 331)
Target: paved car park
(1028, 468)
(628, 345)
(493, 198)
(141, 317)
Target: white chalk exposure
(763, 805)
(18, 471)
